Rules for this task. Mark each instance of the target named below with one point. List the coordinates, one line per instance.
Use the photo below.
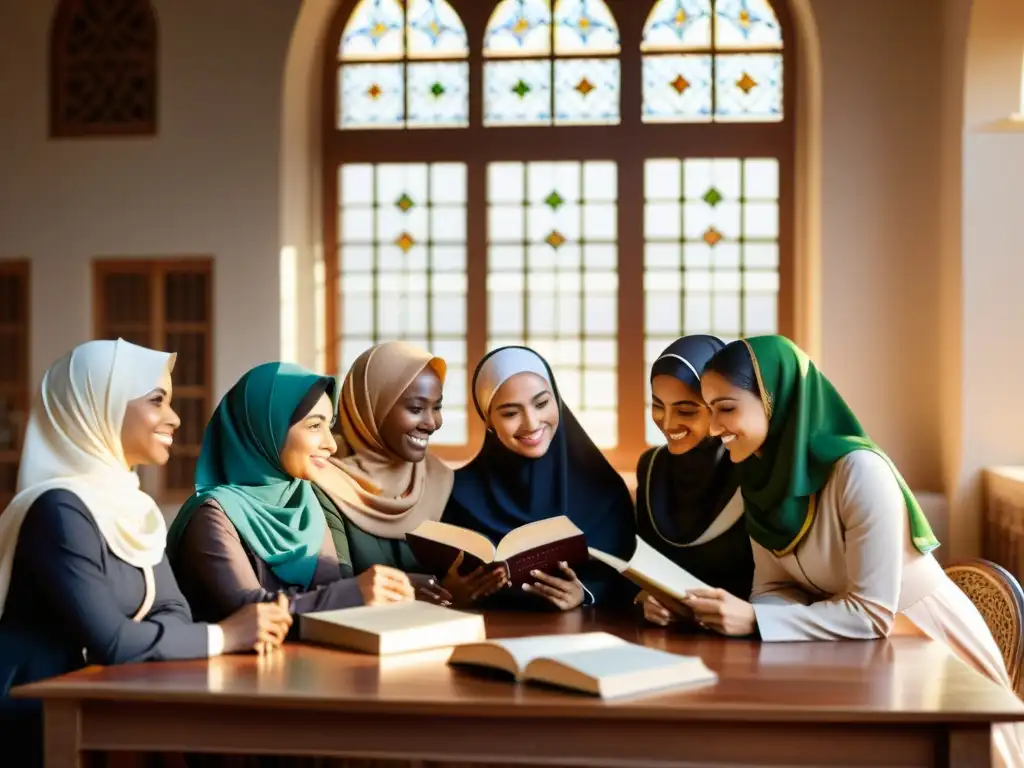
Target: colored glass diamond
(405, 242)
(680, 18)
(745, 18)
(554, 201)
(556, 240)
(680, 84)
(584, 86)
(521, 27)
(712, 197)
(521, 88)
(374, 91)
(404, 203)
(712, 236)
(584, 24)
(438, 90)
(746, 83)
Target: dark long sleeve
(62, 553)
(217, 573)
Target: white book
(653, 572)
(395, 628)
(596, 663)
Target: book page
(536, 534)
(525, 649)
(460, 538)
(654, 567)
(379, 619)
(625, 659)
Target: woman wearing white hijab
(83, 577)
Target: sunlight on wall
(1020, 108)
(320, 312)
(289, 335)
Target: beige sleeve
(873, 515)
(772, 583)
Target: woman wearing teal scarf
(841, 547)
(254, 528)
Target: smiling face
(407, 428)
(679, 412)
(737, 416)
(309, 443)
(524, 415)
(147, 431)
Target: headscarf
(382, 493)
(499, 490)
(73, 442)
(683, 495)
(810, 427)
(276, 515)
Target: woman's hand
(655, 612)
(257, 626)
(428, 590)
(721, 611)
(482, 582)
(564, 594)
(380, 585)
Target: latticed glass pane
(678, 25)
(743, 24)
(434, 30)
(517, 92)
(552, 280)
(519, 28)
(373, 31)
(709, 81)
(677, 88)
(586, 91)
(420, 94)
(402, 235)
(711, 252)
(748, 87)
(585, 27)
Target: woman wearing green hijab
(841, 547)
(254, 528)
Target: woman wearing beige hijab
(382, 483)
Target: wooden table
(900, 702)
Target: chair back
(1000, 600)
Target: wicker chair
(1000, 600)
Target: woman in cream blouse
(841, 546)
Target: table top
(902, 679)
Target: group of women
(768, 489)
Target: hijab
(276, 515)
(373, 487)
(810, 427)
(499, 490)
(73, 442)
(686, 493)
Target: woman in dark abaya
(537, 462)
(688, 504)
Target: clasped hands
(564, 593)
(715, 609)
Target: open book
(540, 545)
(396, 628)
(593, 662)
(653, 572)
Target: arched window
(589, 177)
(103, 68)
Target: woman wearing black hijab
(537, 462)
(688, 504)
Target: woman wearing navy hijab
(688, 504)
(537, 462)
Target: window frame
(628, 143)
(20, 269)
(157, 328)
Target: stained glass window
(530, 78)
(403, 65)
(402, 235)
(711, 257)
(712, 60)
(552, 281)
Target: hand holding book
(564, 593)
(483, 581)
